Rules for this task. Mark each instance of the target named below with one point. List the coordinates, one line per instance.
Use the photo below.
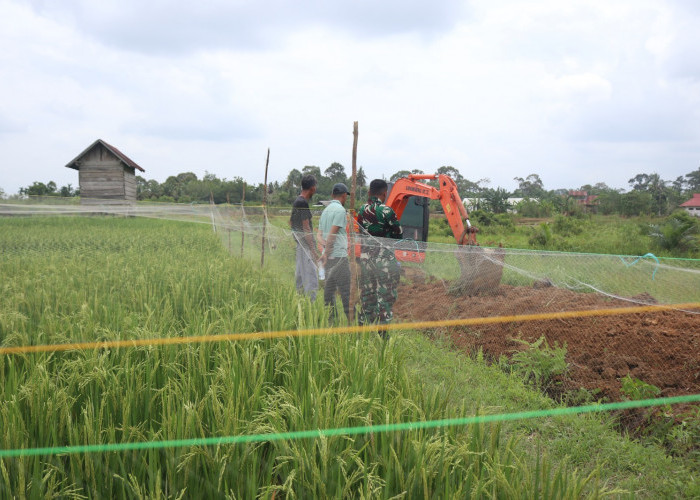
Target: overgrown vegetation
(677, 431)
(678, 232)
(588, 234)
(539, 364)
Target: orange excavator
(409, 198)
(481, 268)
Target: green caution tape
(345, 431)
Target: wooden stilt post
(353, 259)
(262, 255)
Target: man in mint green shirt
(334, 238)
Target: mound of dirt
(659, 347)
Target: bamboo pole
(211, 210)
(354, 168)
(262, 254)
(242, 219)
(353, 260)
(228, 225)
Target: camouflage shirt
(380, 221)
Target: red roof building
(692, 206)
(589, 202)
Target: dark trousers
(337, 279)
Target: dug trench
(661, 348)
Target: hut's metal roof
(127, 161)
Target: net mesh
(601, 307)
(607, 318)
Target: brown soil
(660, 347)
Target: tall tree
(361, 178)
(293, 182)
(496, 200)
(451, 172)
(67, 191)
(530, 187)
(693, 180)
(398, 175)
(189, 177)
(312, 170)
(656, 187)
(39, 189)
(336, 173)
(636, 202)
(639, 182)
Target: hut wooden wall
(105, 179)
(129, 184)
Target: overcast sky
(578, 92)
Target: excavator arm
(481, 268)
(446, 193)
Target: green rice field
(91, 278)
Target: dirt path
(661, 348)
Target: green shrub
(678, 232)
(635, 389)
(534, 208)
(539, 364)
(568, 226)
(439, 227)
(684, 438)
(541, 236)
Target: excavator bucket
(481, 270)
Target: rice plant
(92, 278)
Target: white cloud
(160, 26)
(577, 92)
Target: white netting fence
(134, 360)
(603, 308)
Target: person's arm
(393, 226)
(309, 238)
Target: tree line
(649, 194)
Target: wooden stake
(353, 261)
(211, 209)
(262, 255)
(228, 226)
(242, 219)
(354, 168)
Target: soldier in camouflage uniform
(379, 270)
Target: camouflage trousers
(379, 282)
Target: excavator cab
(415, 218)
